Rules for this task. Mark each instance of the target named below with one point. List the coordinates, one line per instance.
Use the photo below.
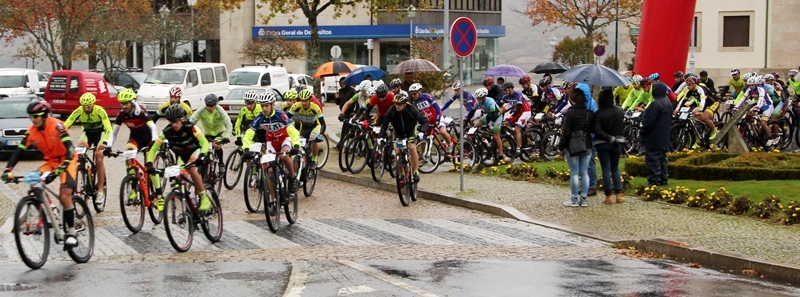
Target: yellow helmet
(304, 94)
(127, 95)
(87, 99)
(290, 95)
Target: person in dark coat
(608, 126)
(344, 93)
(654, 135)
(577, 118)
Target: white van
(195, 79)
(330, 84)
(262, 76)
(21, 81)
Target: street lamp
(412, 12)
(553, 42)
(191, 7)
(164, 12)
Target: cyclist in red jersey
(383, 99)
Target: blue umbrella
(596, 75)
(505, 70)
(358, 75)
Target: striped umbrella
(333, 68)
(415, 65)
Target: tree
(590, 16)
(610, 62)
(272, 48)
(111, 35)
(571, 52)
(429, 48)
(28, 50)
(55, 26)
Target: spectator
(704, 79)
(592, 106)
(501, 80)
(608, 126)
(408, 80)
(655, 135)
(577, 119)
(495, 92)
(344, 93)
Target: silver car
(14, 122)
(235, 100)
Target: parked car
(235, 100)
(261, 75)
(304, 79)
(14, 121)
(20, 81)
(195, 79)
(127, 78)
(330, 84)
(66, 87)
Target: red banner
(664, 38)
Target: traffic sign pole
(463, 38)
(461, 112)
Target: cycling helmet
(87, 99)
(793, 72)
(646, 81)
(211, 99)
(628, 77)
(175, 91)
(304, 94)
(127, 95)
(508, 85)
(266, 98)
(488, 82)
(654, 76)
(703, 73)
(300, 87)
(769, 76)
(364, 85)
(290, 95)
(776, 75)
(456, 85)
(174, 111)
(567, 84)
(401, 97)
(250, 96)
(481, 92)
(36, 107)
(747, 76)
(761, 80)
(395, 83)
(370, 91)
(678, 74)
(415, 87)
(735, 71)
(752, 80)
(545, 81)
(636, 79)
(524, 79)
(381, 90)
(691, 80)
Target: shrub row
(707, 166)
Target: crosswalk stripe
(487, 235)
(335, 234)
(260, 237)
(551, 233)
(414, 235)
(199, 241)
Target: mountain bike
(281, 197)
(137, 193)
(212, 174)
(87, 178)
(253, 178)
(404, 176)
(234, 165)
(182, 213)
(302, 164)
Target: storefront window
(392, 53)
(353, 51)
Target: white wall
(711, 54)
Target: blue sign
(463, 36)
(369, 31)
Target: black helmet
(300, 87)
(508, 85)
(402, 97)
(174, 111)
(678, 74)
(211, 99)
(381, 90)
(37, 107)
(395, 83)
(545, 81)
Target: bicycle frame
(39, 190)
(178, 180)
(142, 176)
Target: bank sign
(368, 31)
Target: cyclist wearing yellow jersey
(291, 97)
(175, 94)
(216, 123)
(794, 84)
(246, 117)
(736, 82)
(95, 121)
(308, 119)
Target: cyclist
(678, 81)
(280, 134)
(353, 105)
(404, 120)
(309, 120)
(708, 82)
(774, 91)
(246, 115)
(550, 95)
(636, 83)
(95, 121)
(430, 109)
(794, 84)
(394, 85)
(50, 137)
(520, 110)
(175, 94)
(314, 99)
(492, 117)
(134, 116)
(763, 107)
(468, 102)
(736, 82)
(382, 99)
(495, 91)
(620, 93)
(216, 123)
(532, 92)
(705, 106)
(189, 146)
(564, 104)
(291, 97)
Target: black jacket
(345, 94)
(608, 122)
(710, 85)
(657, 119)
(575, 119)
(404, 121)
(496, 93)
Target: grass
(757, 190)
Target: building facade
(381, 40)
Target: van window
(193, 78)
(74, 85)
(124, 80)
(13, 81)
(165, 76)
(266, 80)
(58, 84)
(207, 75)
(221, 73)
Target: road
(351, 240)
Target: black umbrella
(549, 67)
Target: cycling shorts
(68, 177)
(187, 158)
(776, 112)
(92, 138)
(279, 143)
(712, 109)
(310, 132)
(138, 141)
(410, 135)
(520, 120)
(496, 125)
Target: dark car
(14, 122)
(130, 78)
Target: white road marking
(386, 278)
(297, 279)
(418, 236)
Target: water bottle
(55, 210)
(193, 197)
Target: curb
(7, 206)
(672, 249)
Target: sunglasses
(175, 120)
(399, 103)
(37, 115)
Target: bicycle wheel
(429, 161)
(784, 132)
(234, 165)
(357, 157)
(252, 187)
(324, 151)
(31, 232)
(343, 153)
(509, 146)
(292, 201)
(679, 138)
(130, 204)
(179, 223)
(155, 216)
(550, 145)
(400, 179)
(379, 167)
(211, 220)
(272, 208)
(84, 231)
(411, 188)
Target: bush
(792, 212)
(740, 205)
(522, 172)
(556, 175)
(718, 200)
(725, 166)
(678, 196)
(768, 208)
(652, 193)
(699, 199)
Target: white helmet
(735, 71)
(250, 95)
(415, 87)
(793, 72)
(769, 76)
(760, 79)
(266, 98)
(636, 79)
(480, 93)
(747, 76)
(753, 80)
(370, 91)
(364, 86)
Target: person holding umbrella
(408, 80)
(345, 92)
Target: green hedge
(724, 166)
